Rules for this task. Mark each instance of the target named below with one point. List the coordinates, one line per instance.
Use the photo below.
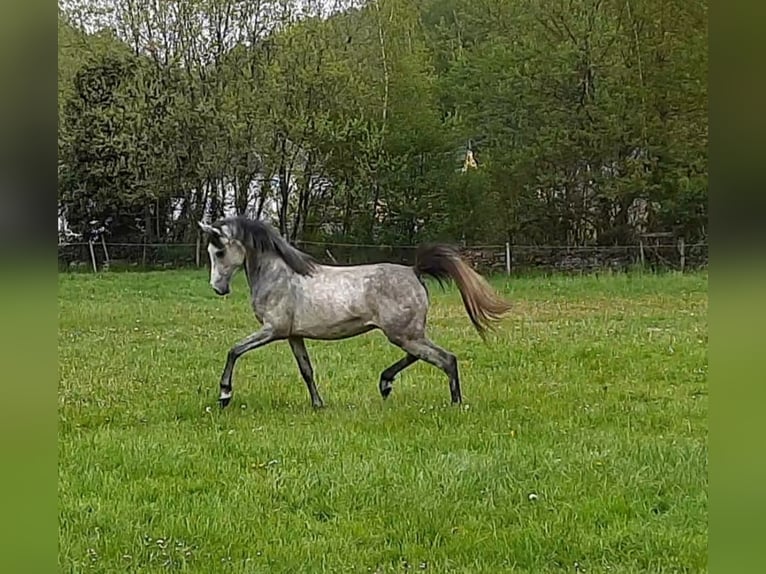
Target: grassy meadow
(581, 445)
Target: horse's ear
(209, 229)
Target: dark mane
(262, 237)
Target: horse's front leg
(257, 339)
(298, 347)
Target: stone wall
(584, 259)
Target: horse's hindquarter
(340, 302)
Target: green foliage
(105, 165)
(588, 119)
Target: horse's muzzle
(221, 290)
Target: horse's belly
(336, 321)
(333, 330)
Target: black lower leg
(454, 380)
(432, 353)
(257, 339)
(307, 372)
(387, 377)
(226, 391)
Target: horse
(295, 298)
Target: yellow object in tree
(469, 161)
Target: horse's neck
(265, 270)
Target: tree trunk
(304, 197)
(284, 189)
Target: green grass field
(581, 446)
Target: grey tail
(443, 262)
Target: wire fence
(499, 258)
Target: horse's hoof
(224, 401)
(317, 406)
(385, 391)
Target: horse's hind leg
(304, 364)
(387, 377)
(430, 352)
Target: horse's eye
(220, 254)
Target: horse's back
(364, 286)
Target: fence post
(196, 250)
(106, 252)
(92, 255)
(507, 257)
(641, 256)
(682, 251)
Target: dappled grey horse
(296, 298)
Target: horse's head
(227, 255)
